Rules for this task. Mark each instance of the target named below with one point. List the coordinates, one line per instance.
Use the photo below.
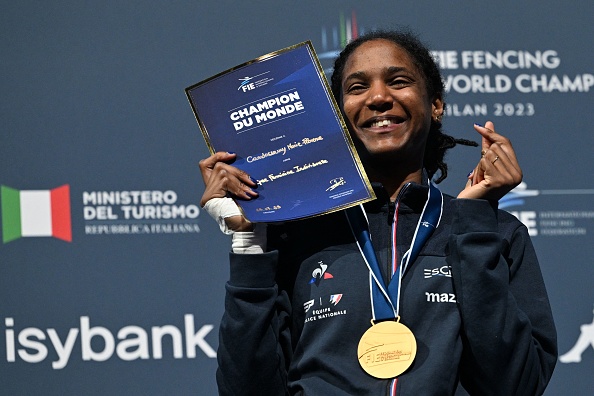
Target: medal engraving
(387, 349)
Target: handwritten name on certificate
(277, 114)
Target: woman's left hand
(497, 172)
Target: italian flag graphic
(36, 213)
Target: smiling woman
(472, 328)
(411, 73)
(388, 110)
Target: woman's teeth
(381, 123)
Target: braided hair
(438, 143)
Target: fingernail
(253, 180)
(470, 174)
(230, 152)
(477, 124)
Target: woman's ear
(437, 107)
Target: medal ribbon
(386, 299)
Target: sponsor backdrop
(111, 277)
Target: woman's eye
(355, 87)
(399, 81)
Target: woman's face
(385, 102)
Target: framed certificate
(278, 115)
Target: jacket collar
(411, 198)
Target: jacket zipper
(392, 208)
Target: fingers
(486, 140)
(498, 149)
(499, 168)
(206, 165)
(490, 138)
(498, 171)
(222, 179)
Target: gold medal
(387, 349)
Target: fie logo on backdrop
(36, 213)
(564, 222)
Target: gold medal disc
(387, 349)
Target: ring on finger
(483, 152)
(495, 160)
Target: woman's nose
(379, 96)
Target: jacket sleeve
(254, 340)
(508, 334)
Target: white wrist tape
(252, 242)
(221, 208)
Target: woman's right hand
(223, 180)
(497, 172)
